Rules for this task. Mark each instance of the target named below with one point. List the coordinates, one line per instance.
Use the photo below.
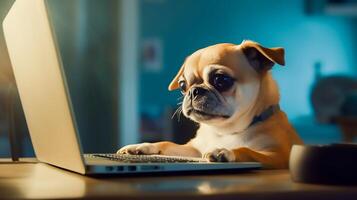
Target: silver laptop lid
(41, 83)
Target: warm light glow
(63, 184)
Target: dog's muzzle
(204, 103)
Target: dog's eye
(222, 82)
(183, 86)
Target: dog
(229, 91)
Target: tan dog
(230, 92)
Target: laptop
(48, 109)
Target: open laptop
(48, 110)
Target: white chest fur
(207, 141)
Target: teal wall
(185, 26)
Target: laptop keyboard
(147, 158)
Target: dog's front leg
(268, 159)
(161, 148)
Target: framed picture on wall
(152, 54)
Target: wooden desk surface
(41, 181)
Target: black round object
(326, 164)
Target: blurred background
(120, 55)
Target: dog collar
(271, 110)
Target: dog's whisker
(179, 115)
(180, 98)
(176, 111)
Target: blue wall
(185, 26)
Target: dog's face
(221, 82)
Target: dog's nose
(197, 91)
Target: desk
(37, 181)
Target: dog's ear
(174, 83)
(262, 58)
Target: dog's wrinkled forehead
(223, 55)
(248, 59)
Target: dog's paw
(220, 155)
(139, 149)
